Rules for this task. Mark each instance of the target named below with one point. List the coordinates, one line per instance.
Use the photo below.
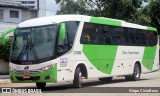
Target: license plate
(26, 77)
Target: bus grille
(29, 71)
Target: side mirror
(62, 33)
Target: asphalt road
(118, 84)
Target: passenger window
(146, 35)
(120, 40)
(152, 38)
(126, 36)
(112, 35)
(131, 36)
(89, 34)
(142, 38)
(104, 34)
(139, 37)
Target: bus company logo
(17, 67)
(26, 67)
(26, 70)
(24, 57)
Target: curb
(4, 76)
(5, 81)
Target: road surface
(95, 86)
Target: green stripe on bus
(101, 56)
(105, 21)
(148, 57)
(151, 29)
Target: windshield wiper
(28, 47)
(23, 49)
(33, 48)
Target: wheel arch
(83, 69)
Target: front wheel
(77, 82)
(136, 74)
(41, 85)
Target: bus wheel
(41, 85)
(77, 82)
(106, 79)
(136, 74)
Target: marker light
(48, 67)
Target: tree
(71, 7)
(149, 15)
(128, 10)
(142, 17)
(117, 9)
(155, 14)
(5, 49)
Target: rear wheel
(77, 82)
(106, 79)
(41, 85)
(136, 74)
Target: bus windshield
(34, 43)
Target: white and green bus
(76, 47)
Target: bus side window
(126, 36)
(120, 39)
(142, 38)
(152, 38)
(109, 36)
(85, 38)
(138, 38)
(146, 35)
(89, 34)
(131, 32)
(101, 34)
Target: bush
(5, 49)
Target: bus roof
(99, 20)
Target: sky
(52, 7)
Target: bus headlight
(11, 69)
(48, 67)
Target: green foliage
(118, 9)
(149, 15)
(142, 17)
(5, 49)
(129, 10)
(155, 13)
(71, 7)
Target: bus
(76, 47)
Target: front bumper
(38, 77)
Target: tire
(106, 79)
(136, 74)
(41, 85)
(77, 82)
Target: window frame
(14, 14)
(134, 31)
(1, 14)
